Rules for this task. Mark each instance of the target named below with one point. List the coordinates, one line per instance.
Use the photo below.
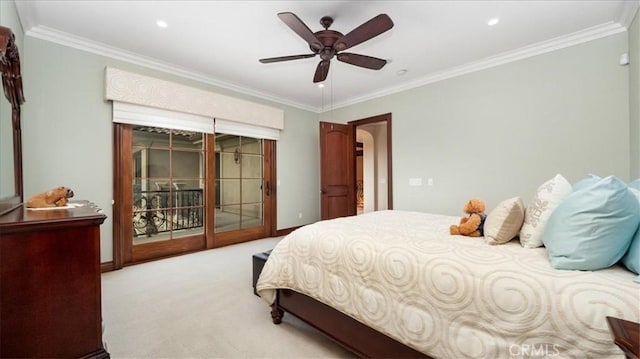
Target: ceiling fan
(329, 43)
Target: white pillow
(504, 221)
(548, 196)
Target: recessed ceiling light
(320, 85)
(162, 23)
(401, 72)
(493, 21)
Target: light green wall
(494, 134)
(67, 134)
(8, 18)
(634, 95)
(503, 131)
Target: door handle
(322, 191)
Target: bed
(401, 276)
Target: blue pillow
(593, 226)
(589, 180)
(635, 184)
(631, 260)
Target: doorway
(338, 165)
(373, 163)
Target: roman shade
(155, 117)
(245, 129)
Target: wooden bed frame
(346, 331)
(369, 343)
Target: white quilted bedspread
(451, 296)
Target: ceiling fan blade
(299, 27)
(321, 71)
(286, 58)
(369, 62)
(364, 32)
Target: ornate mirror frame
(12, 84)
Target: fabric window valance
(161, 95)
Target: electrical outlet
(430, 182)
(300, 215)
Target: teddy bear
(56, 197)
(473, 224)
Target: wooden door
(337, 171)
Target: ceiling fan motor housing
(327, 38)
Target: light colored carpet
(201, 305)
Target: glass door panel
(252, 215)
(239, 179)
(168, 184)
(251, 166)
(251, 145)
(251, 190)
(228, 218)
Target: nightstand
(259, 260)
(626, 335)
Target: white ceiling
(220, 42)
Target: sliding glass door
(180, 191)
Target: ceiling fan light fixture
(493, 21)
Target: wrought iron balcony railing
(163, 211)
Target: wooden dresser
(50, 291)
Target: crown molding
(628, 12)
(80, 43)
(579, 37)
(25, 16)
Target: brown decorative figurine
(56, 197)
